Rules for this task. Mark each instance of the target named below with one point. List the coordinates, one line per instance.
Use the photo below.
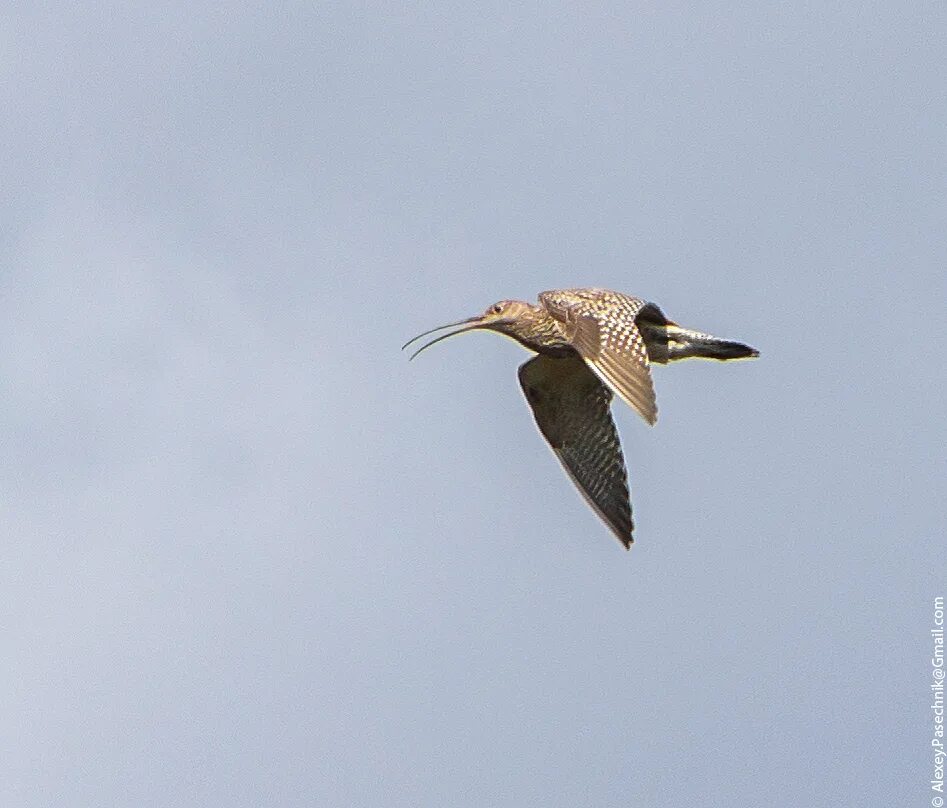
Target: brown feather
(601, 327)
(571, 408)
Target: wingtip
(748, 352)
(737, 350)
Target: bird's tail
(669, 343)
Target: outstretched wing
(601, 327)
(571, 407)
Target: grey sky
(254, 557)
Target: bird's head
(502, 316)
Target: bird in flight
(591, 344)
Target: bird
(590, 345)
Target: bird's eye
(497, 308)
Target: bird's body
(591, 343)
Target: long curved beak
(468, 325)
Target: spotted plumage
(591, 343)
(601, 326)
(572, 410)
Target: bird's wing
(571, 407)
(601, 327)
